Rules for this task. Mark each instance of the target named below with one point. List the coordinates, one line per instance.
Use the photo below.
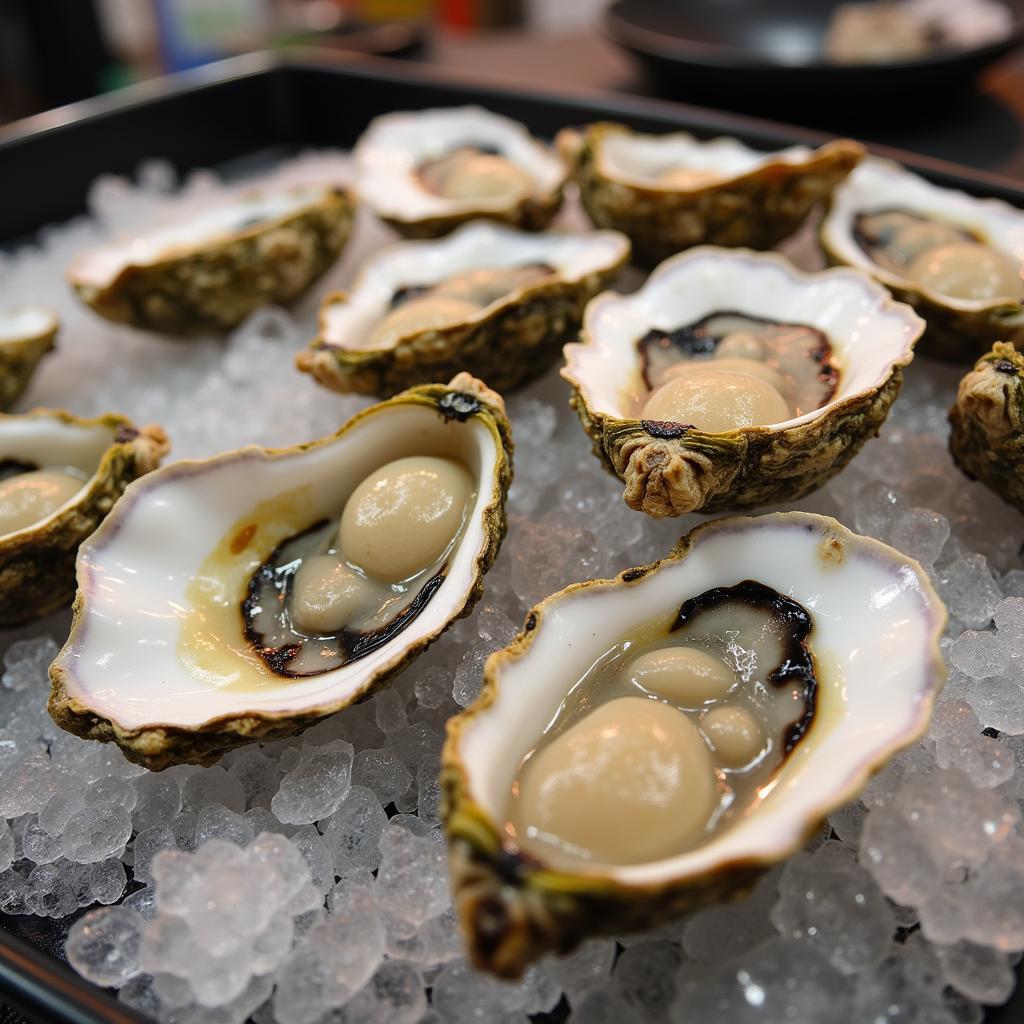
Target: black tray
(243, 112)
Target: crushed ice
(305, 880)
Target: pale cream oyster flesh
(27, 333)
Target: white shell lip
(121, 660)
(27, 323)
(870, 332)
(395, 145)
(881, 184)
(877, 626)
(46, 438)
(347, 319)
(212, 222)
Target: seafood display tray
(240, 115)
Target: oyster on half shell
(59, 478)
(428, 171)
(26, 335)
(863, 624)
(496, 302)
(958, 260)
(669, 462)
(209, 270)
(669, 192)
(268, 613)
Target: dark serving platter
(245, 113)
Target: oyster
(732, 379)
(487, 299)
(787, 609)
(26, 335)
(429, 171)
(670, 192)
(210, 270)
(956, 259)
(267, 614)
(987, 437)
(59, 478)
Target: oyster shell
(26, 335)
(958, 328)
(210, 270)
(404, 160)
(669, 192)
(671, 468)
(525, 295)
(987, 437)
(184, 659)
(103, 456)
(875, 625)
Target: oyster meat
(308, 577)
(957, 259)
(26, 335)
(59, 478)
(670, 192)
(731, 379)
(651, 744)
(496, 302)
(426, 172)
(211, 269)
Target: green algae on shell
(210, 270)
(670, 469)
(26, 335)
(877, 622)
(507, 342)
(178, 681)
(737, 196)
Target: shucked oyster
(670, 192)
(305, 578)
(26, 335)
(957, 259)
(496, 302)
(207, 272)
(987, 438)
(59, 478)
(650, 744)
(429, 171)
(731, 379)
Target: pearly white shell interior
(247, 212)
(869, 332)
(875, 635)
(26, 323)
(134, 572)
(346, 320)
(882, 185)
(638, 159)
(395, 145)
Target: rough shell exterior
(215, 288)
(533, 213)
(18, 361)
(757, 209)
(159, 747)
(37, 568)
(987, 438)
(512, 345)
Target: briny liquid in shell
(672, 735)
(30, 493)
(475, 172)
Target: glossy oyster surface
(669, 467)
(188, 642)
(428, 171)
(870, 625)
(60, 476)
(955, 258)
(670, 192)
(27, 333)
(210, 269)
(496, 302)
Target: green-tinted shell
(987, 437)
(37, 567)
(214, 288)
(757, 209)
(18, 361)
